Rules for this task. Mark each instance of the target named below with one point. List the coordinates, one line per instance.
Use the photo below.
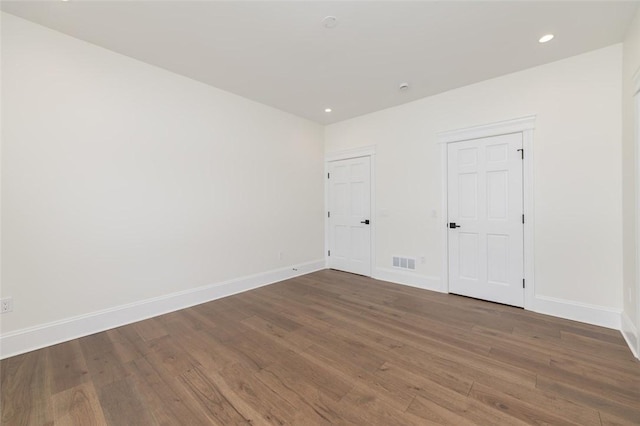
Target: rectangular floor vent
(404, 262)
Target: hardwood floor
(331, 348)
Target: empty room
(319, 212)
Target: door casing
(636, 99)
(367, 151)
(524, 125)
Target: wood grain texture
(331, 348)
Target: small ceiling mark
(330, 22)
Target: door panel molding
(365, 151)
(524, 125)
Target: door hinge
(328, 252)
(328, 175)
(523, 283)
(521, 153)
(328, 214)
(522, 218)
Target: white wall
(578, 224)
(631, 290)
(123, 182)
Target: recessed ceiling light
(327, 110)
(545, 38)
(330, 22)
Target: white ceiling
(279, 53)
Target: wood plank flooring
(331, 348)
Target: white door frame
(366, 151)
(636, 124)
(524, 125)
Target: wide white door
(349, 215)
(485, 223)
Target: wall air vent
(404, 262)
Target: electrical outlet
(6, 305)
(280, 255)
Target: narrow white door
(485, 223)
(349, 215)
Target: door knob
(366, 222)
(453, 225)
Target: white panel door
(485, 223)
(349, 215)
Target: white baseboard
(28, 339)
(408, 278)
(576, 311)
(630, 334)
